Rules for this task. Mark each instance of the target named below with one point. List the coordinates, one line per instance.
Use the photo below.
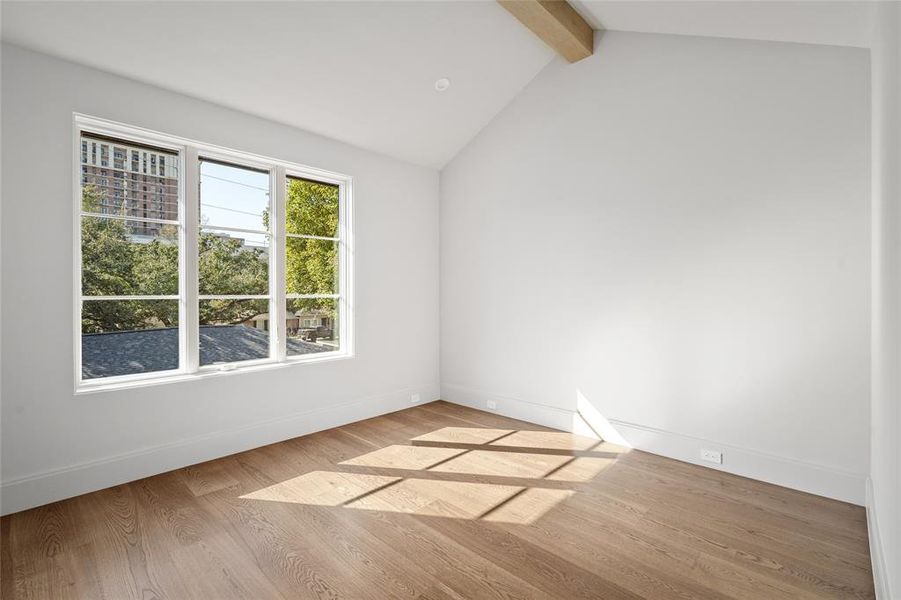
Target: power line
(255, 187)
(234, 210)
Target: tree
(155, 272)
(227, 267)
(311, 208)
(119, 260)
(107, 268)
(116, 262)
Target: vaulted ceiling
(805, 21)
(365, 72)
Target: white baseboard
(549, 416)
(787, 472)
(877, 558)
(57, 484)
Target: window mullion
(278, 303)
(189, 322)
(345, 267)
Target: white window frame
(190, 153)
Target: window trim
(190, 152)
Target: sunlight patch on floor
(504, 464)
(548, 440)
(404, 457)
(501, 455)
(436, 498)
(322, 488)
(463, 435)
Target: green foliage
(227, 267)
(116, 263)
(108, 269)
(311, 208)
(311, 266)
(218, 312)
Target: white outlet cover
(414, 398)
(492, 404)
(713, 456)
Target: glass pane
(125, 337)
(233, 330)
(233, 197)
(128, 258)
(113, 185)
(311, 266)
(312, 326)
(233, 263)
(311, 208)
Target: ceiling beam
(557, 24)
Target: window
(312, 245)
(129, 298)
(185, 281)
(233, 258)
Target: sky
(234, 197)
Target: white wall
(676, 229)
(884, 501)
(55, 444)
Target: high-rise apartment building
(133, 181)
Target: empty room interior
(450, 300)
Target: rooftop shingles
(149, 350)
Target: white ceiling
(363, 72)
(360, 72)
(838, 23)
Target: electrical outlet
(712, 456)
(414, 398)
(492, 405)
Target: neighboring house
(261, 321)
(305, 319)
(315, 318)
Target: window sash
(186, 163)
(130, 297)
(205, 227)
(85, 213)
(313, 296)
(313, 237)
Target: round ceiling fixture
(442, 84)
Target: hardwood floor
(439, 502)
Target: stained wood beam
(557, 24)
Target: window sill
(100, 385)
